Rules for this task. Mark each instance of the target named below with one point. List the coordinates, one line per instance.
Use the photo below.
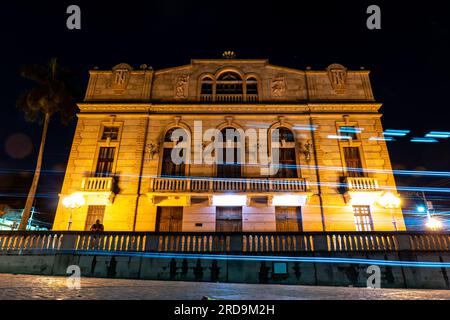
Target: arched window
(206, 89)
(170, 167)
(229, 87)
(229, 156)
(286, 152)
(252, 89)
(285, 135)
(170, 136)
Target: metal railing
(264, 243)
(207, 184)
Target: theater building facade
(333, 171)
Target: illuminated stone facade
(330, 124)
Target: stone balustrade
(97, 184)
(229, 98)
(209, 242)
(207, 184)
(362, 184)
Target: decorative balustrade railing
(199, 184)
(229, 98)
(362, 184)
(97, 184)
(264, 243)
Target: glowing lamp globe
(434, 224)
(73, 201)
(389, 200)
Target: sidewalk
(44, 287)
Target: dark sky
(409, 58)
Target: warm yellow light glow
(363, 198)
(229, 200)
(389, 200)
(289, 200)
(433, 224)
(75, 200)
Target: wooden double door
(228, 219)
(169, 219)
(288, 219)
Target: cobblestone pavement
(43, 287)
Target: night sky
(409, 59)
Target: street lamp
(75, 200)
(433, 223)
(390, 201)
(421, 209)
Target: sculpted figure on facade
(278, 87)
(181, 87)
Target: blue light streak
(231, 257)
(396, 133)
(382, 139)
(305, 127)
(424, 140)
(438, 134)
(350, 129)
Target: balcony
(362, 190)
(362, 184)
(229, 98)
(264, 243)
(98, 190)
(94, 184)
(217, 185)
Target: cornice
(230, 108)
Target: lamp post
(75, 200)
(432, 223)
(390, 201)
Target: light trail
(306, 167)
(231, 257)
(423, 140)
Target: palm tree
(51, 94)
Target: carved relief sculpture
(306, 150)
(181, 87)
(278, 87)
(120, 77)
(153, 148)
(338, 77)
